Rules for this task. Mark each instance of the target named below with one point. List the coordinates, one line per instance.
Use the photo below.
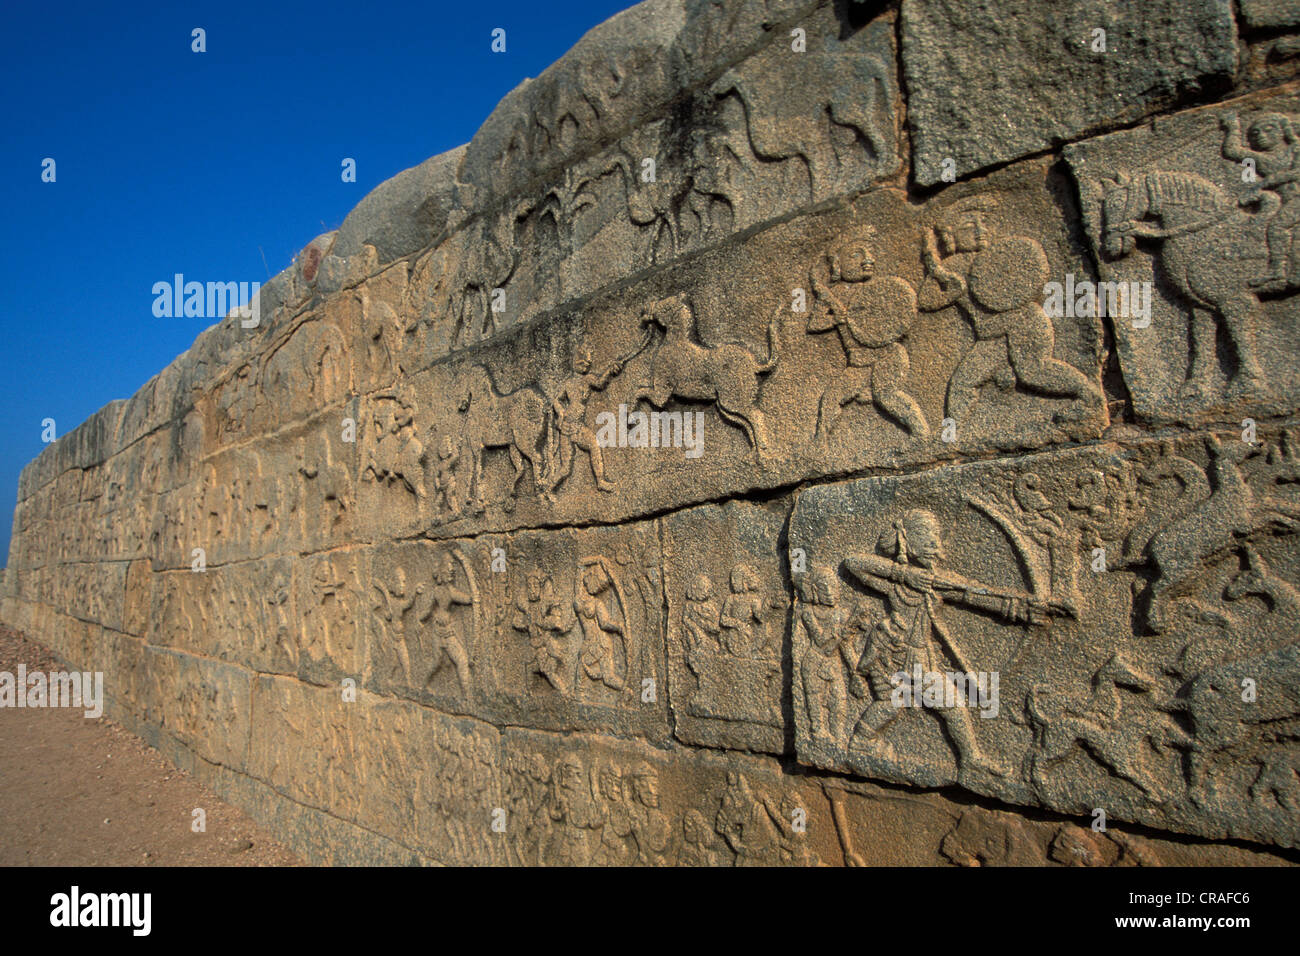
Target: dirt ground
(76, 791)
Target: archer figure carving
(442, 599)
(907, 570)
(394, 603)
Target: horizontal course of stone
(403, 572)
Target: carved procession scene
(900, 337)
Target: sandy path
(76, 791)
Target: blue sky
(173, 161)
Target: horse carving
(1205, 239)
(515, 421)
(726, 375)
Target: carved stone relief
(1067, 630)
(1198, 208)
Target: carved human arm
(822, 319)
(812, 627)
(874, 571)
(1016, 607)
(416, 596)
(930, 257)
(941, 287)
(558, 402)
(598, 383)
(1234, 147)
(606, 620)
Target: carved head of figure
(609, 783)
(582, 360)
(743, 579)
(852, 260)
(535, 581)
(568, 775)
(444, 569)
(700, 588)
(966, 228)
(1270, 130)
(645, 785)
(593, 579)
(915, 538)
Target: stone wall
(404, 572)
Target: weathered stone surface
(1197, 207)
(410, 571)
(1118, 595)
(727, 612)
(774, 132)
(203, 704)
(992, 82)
(558, 629)
(404, 214)
(620, 74)
(940, 313)
(1270, 13)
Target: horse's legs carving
(1201, 345)
(1239, 316)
